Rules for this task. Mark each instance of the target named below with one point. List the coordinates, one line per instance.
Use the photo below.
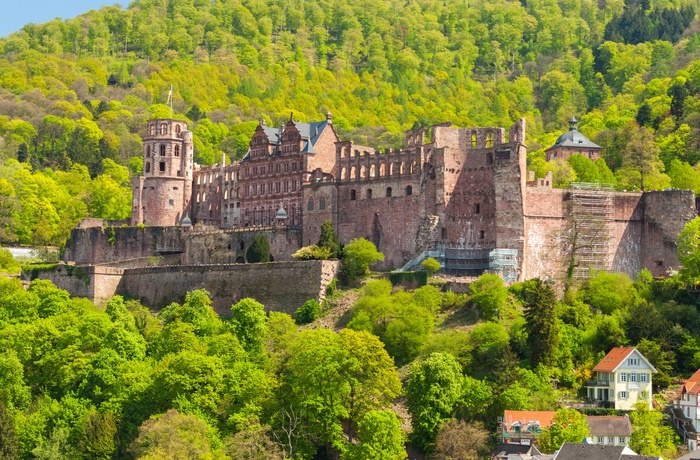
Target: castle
(461, 195)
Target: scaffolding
(504, 262)
(590, 224)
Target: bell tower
(161, 195)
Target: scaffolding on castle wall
(590, 227)
(461, 261)
(504, 262)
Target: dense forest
(628, 69)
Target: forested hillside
(626, 68)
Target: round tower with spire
(161, 195)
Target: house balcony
(598, 383)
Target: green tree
(380, 438)
(173, 435)
(259, 251)
(568, 425)
(97, 438)
(489, 295)
(9, 447)
(433, 388)
(431, 266)
(650, 435)
(641, 155)
(688, 242)
(248, 322)
(358, 255)
(308, 312)
(542, 327)
(329, 240)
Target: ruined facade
(460, 195)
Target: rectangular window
(633, 377)
(294, 185)
(600, 439)
(162, 166)
(623, 440)
(643, 377)
(286, 186)
(247, 190)
(611, 440)
(623, 395)
(277, 186)
(294, 166)
(171, 202)
(477, 209)
(623, 376)
(633, 361)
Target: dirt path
(339, 314)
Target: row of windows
(161, 168)
(371, 172)
(270, 188)
(162, 129)
(311, 203)
(279, 167)
(641, 377)
(162, 150)
(611, 440)
(369, 194)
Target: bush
(489, 294)
(307, 312)
(431, 266)
(8, 264)
(358, 256)
(312, 252)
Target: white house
(609, 430)
(685, 413)
(623, 378)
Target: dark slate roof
(310, 132)
(571, 451)
(574, 138)
(639, 457)
(609, 426)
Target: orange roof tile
(613, 359)
(544, 417)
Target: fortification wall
(100, 245)
(281, 286)
(543, 221)
(98, 284)
(230, 246)
(661, 228)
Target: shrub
(307, 312)
(259, 251)
(358, 256)
(312, 252)
(431, 266)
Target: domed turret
(571, 142)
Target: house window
(643, 377)
(177, 150)
(611, 439)
(162, 166)
(600, 439)
(623, 440)
(633, 377)
(623, 395)
(633, 361)
(623, 377)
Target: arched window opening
(151, 129)
(204, 196)
(473, 140)
(353, 173)
(164, 129)
(382, 170)
(388, 192)
(226, 194)
(372, 171)
(343, 173)
(363, 172)
(392, 169)
(198, 197)
(148, 151)
(310, 204)
(177, 129)
(409, 190)
(489, 140)
(402, 168)
(322, 203)
(162, 166)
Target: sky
(16, 13)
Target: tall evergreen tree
(329, 239)
(542, 327)
(9, 448)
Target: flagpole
(170, 97)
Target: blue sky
(17, 13)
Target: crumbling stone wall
(231, 245)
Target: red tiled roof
(613, 359)
(692, 385)
(544, 417)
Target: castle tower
(161, 196)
